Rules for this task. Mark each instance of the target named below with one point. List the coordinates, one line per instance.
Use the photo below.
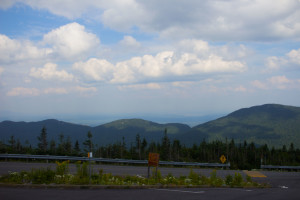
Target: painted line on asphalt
(283, 187)
(186, 191)
(245, 190)
(254, 174)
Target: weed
(60, 176)
(62, 167)
(228, 179)
(237, 180)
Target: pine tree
(138, 145)
(123, 147)
(77, 148)
(43, 143)
(88, 143)
(12, 143)
(52, 147)
(68, 146)
(61, 145)
(165, 147)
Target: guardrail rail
(280, 167)
(107, 160)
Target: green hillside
(147, 126)
(128, 128)
(271, 124)
(102, 135)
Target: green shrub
(237, 180)
(60, 176)
(248, 179)
(15, 177)
(214, 180)
(82, 174)
(228, 179)
(62, 167)
(156, 174)
(42, 176)
(193, 178)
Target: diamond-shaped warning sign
(223, 159)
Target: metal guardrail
(106, 160)
(280, 167)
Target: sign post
(90, 155)
(153, 160)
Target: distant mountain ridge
(102, 135)
(271, 124)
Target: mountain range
(271, 124)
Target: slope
(102, 135)
(271, 124)
(129, 128)
(31, 130)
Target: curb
(99, 187)
(102, 187)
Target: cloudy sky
(73, 58)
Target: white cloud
(5, 4)
(206, 19)
(148, 86)
(71, 40)
(290, 60)
(55, 91)
(49, 72)
(129, 41)
(197, 60)
(294, 57)
(240, 89)
(14, 50)
(67, 8)
(21, 91)
(273, 63)
(277, 82)
(280, 82)
(259, 84)
(95, 69)
(1, 70)
(85, 89)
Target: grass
(61, 176)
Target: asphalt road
(285, 185)
(148, 194)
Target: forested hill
(29, 131)
(271, 124)
(102, 135)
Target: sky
(99, 60)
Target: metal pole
(90, 170)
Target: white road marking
(186, 191)
(245, 190)
(283, 187)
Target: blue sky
(81, 60)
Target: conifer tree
(43, 143)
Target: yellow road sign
(223, 159)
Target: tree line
(240, 155)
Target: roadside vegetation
(241, 156)
(82, 177)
